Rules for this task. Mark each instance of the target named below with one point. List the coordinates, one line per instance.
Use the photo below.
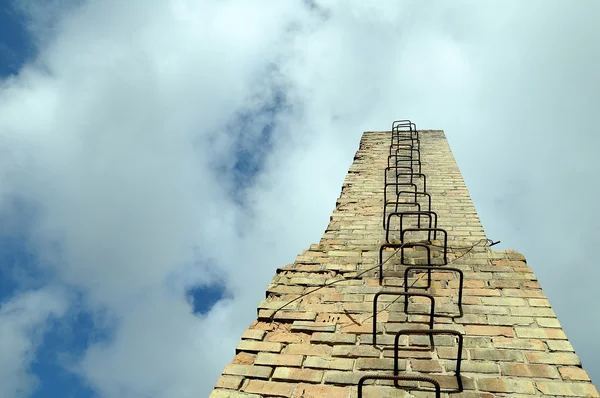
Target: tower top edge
(419, 130)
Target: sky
(160, 159)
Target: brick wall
(321, 344)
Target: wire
(466, 247)
(272, 317)
(394, 300)
(332, 283)
(441, 267)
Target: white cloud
(160, 350)
(121, 132)
(22, 324)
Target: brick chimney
(313, 336)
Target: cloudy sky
(159, 159)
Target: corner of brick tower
(320, 344)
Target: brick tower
(442, 288)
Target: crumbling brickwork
(321, 344)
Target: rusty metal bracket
(402, 133)
(408, 160)
(396, 185)
(431, 333)
(398, 202)
(397, 149)
(430, 268)
(403, 123)
(423, 379)
(429, 230)
(404, 126)
(415, 193)
(431, 215)
(405, 144)
(412, 154)
(411, 176)
(400, 246)
(405, 294)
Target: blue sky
(159, 160)
(16, 46)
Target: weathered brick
(560, 345)
(270, 388)
(540, 333)
(448, 381)
(518, 344)
(548, 322)
(256, 346)
(297, 375)
(407, 353)
(231, 394)
(265, 358)
(567, 389)
(383, 391)
(491, 354)
(525, 276)
(287, 337)
(473, 367)
(354, 351)
(450, 352)
(285, 289)
(439, 340)
(344, 378)
(244, 358)
(574, 373)
(319, 391)
(276, 304)
(259, 372)
(321, 307)
(504, 301)
(359, 289)
(333, 338)
(470, 394)
(523, 293)
(306, 326)
(501, 284)
(307, 281)
(329, 363)
(472, 319)
(386, 339)
(552, 358)
(425, 365)
(295, 316)
(357, 307)
(484, 309)
(509, 320)
(533, 311)
(379, 364)
(539, 302)
(467, 284)
(477, 341)
(508, 263)
(481, 292)
(344, 298)
(308, 349)
(339, 253)
(253, 334)
(230, 382)
(530, 370)
(505, 385)
(480, 330)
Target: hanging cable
(272, 317)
